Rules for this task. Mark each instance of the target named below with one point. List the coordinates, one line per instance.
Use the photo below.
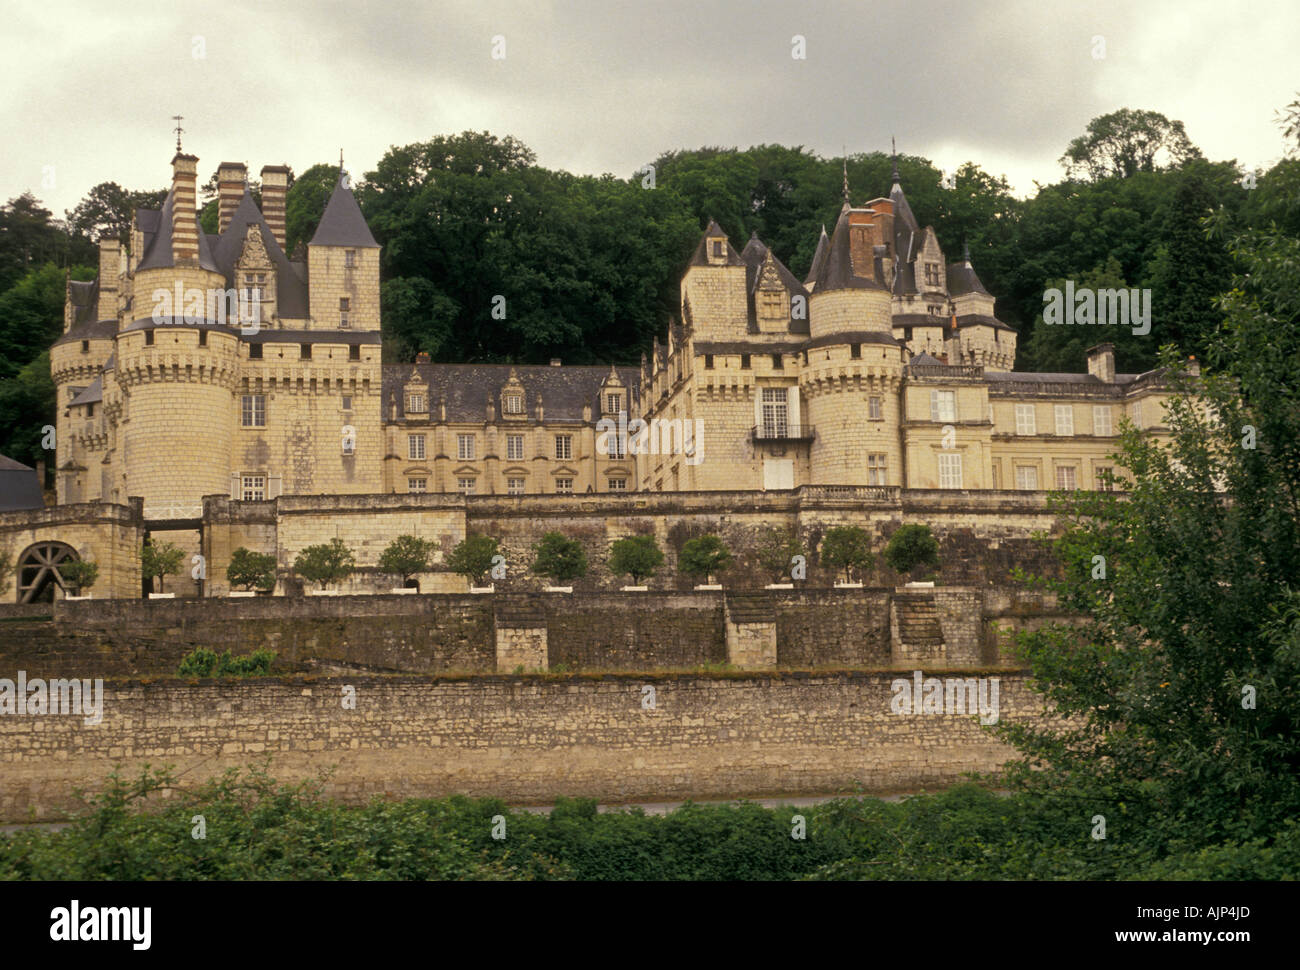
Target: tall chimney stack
(185, 217)
(1101, 362)
(275, 187)
(232, 177)
(110, 266)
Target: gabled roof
(701, 255)
(19, 486)
(91, 394)
(158, 248)
(343, 224)
(925, 360)
(291, 290)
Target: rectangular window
(465, 486)
(514, 404)
(778, 362)
(1064, 419)
(203, 338)
(744, 361)
(349, 258)
(85, 346)
(1101, 420)
(347, 402)
(717, 248)
(465, 447)
(254, 411)
(1025, 419)
(943, 406)
(876, 470)
(1099, 473)
(1027, 478)
(932, 274)
(354, 352)
(514, 447)
(1137, 414)
(564, 446)
(1065, 477)
(345, 322)
(514, 486)
(148, 338)
(708, 362)
(349, 444)
(855, 351)
(564, 486)
(304, 351)
(345, 304)
(415, 404)
(618, 484)
(775, 409)
(875, 411)
(611, 403)
(254, 351)
(616, 445)
(417, 485)
(950, 471)
(415, 446)
(252, 488)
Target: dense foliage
(251, 569)
(406, 556)
(636, 556)
(559, 558)
(912, 548)
(328, 562)
(203, 662)
(704, 556)
(847, 547)
(474, 558)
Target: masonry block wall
(525, 739)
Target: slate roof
(853, 337)
(468, 387)
(701, 255)
(85, 307)
(343, 224)
(19, 486)
(92, 394)
(819, 257)
(838, 272)
(982, 320)
(158, 245)
(962, 279)
(290, 288)
(753, 255)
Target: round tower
(852, 378)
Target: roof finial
(893, 147)
(179, 129)
(846, 176)
(965, 251)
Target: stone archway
(38, 570)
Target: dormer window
(717, 248)
(931, 274)
(611, 403)
(514, 404)
(415, 404)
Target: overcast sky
(597, 87)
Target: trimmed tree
(472, 558)
(559, 558)
(847, 547)
(251, 569)
(636, 556)
(79, 574)
(326, 563)
(704, 556)
(407, 556)
(159, 560)
(912, 548)
(776, 551)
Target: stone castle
(886, 366)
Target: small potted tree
(777, 549)
(847, 547)
(638, 557)
(561, 560)
(80, 575)
(474, 558)
(329, 562)
(158, 561)
(704, 557)
(911, 551)
(407, 556)
(255, 571)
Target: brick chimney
(232, 178)
(185, 217)
(1101, 362)
(110, 266)
(275, 187)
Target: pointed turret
(819, 259)
(343, 224)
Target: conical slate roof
(819, 257)
(962, 278)
(343, 224)
(158, 252)
(838, 272)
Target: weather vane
(179, 129)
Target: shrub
(159, 560)
(472, 558)
(251, 569)
(635, 556)
(847, 547)
(776, 551)
(79, 574)
(704, 556)
(326, 563)
(406, 556)
(911, 548)
(203, 662)
(559, 558)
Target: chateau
(885, 366)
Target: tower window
(744, 361)
(876, 470)
(347, 402)
(252, 488)
(874, 409)
(350, 258)
(305, 351)
(708, 362)
(148, 338)
(254, 351)
(354, 352)
(514, 404)
(85, 346)
(855, 351)
(717, 247)
(203, 338)
(778, 362)
(254, 411)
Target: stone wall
(525, 739)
